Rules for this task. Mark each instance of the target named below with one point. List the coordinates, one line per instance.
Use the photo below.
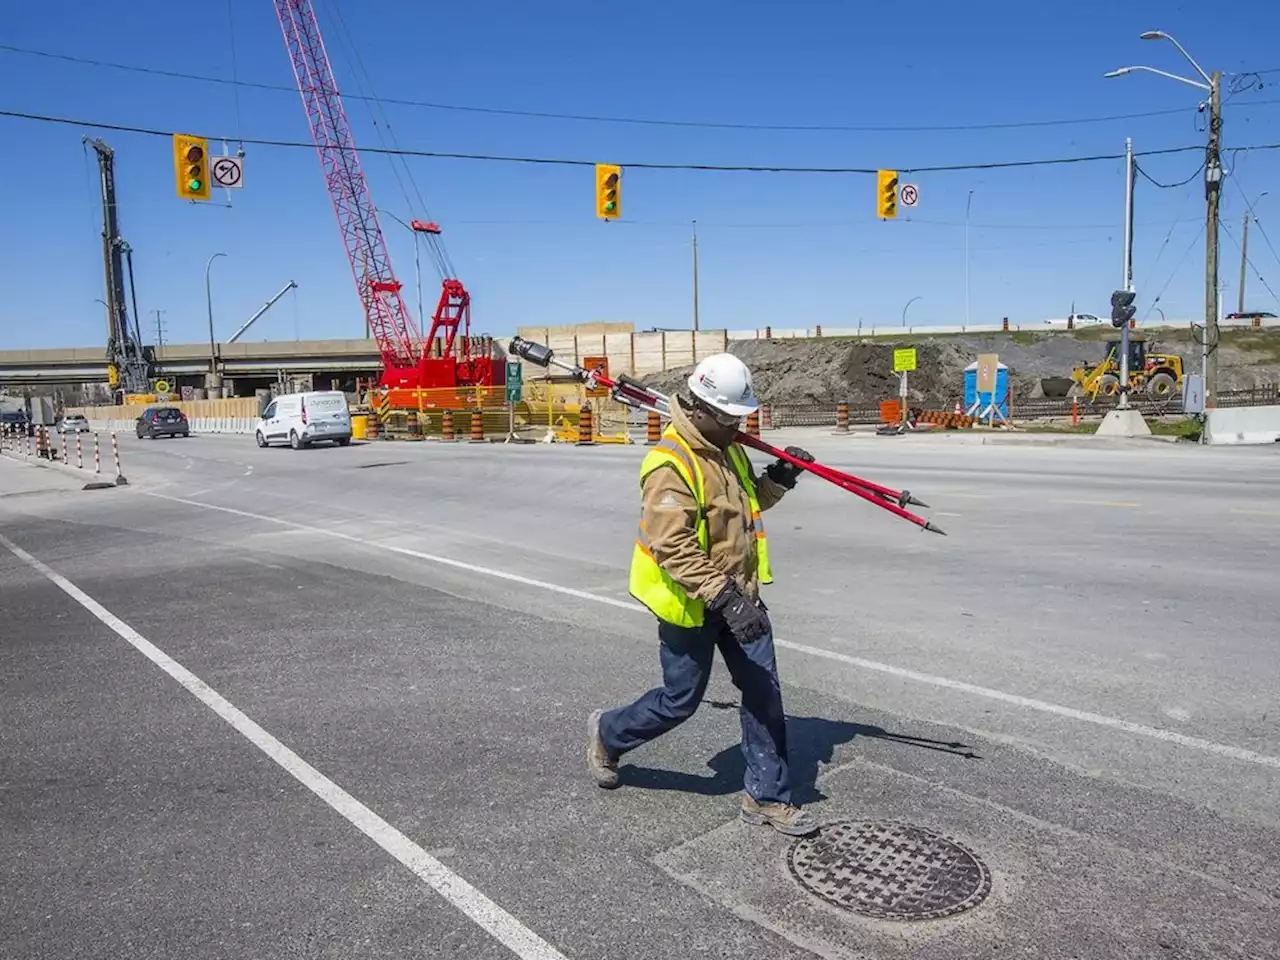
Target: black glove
(745, 618)
(784, 474)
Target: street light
(1212, 84)
(1124, 71)
(208, 301)
(904, 310)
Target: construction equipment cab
(1159, 375)
(300, 419)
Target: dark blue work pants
(686, 656)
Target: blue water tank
(971, 390)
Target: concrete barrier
(1242, 425)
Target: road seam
(495, 921)
(1042, 706)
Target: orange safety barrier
(372, 429)
(941, 418)
(477, 426)
(753, 423)
(446, 427)
(842, 417)
(653, 428)
(766, 416)
(586, 429)
(446, 398)
(411, 423)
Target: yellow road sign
(904, 360)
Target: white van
(303, 418)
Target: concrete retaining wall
(231, 415)
(241, 425)
(1242, 425)
(634, 353)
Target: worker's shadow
(810, 741)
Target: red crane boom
(406, 358)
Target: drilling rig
(128, 362)
(410, 363)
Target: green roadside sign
(514, 381)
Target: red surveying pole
(636, 394)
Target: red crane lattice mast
(406, 358)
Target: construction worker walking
(698, 562)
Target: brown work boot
(603, 767)
(783, 817)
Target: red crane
(408, 361)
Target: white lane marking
(1043, 706)
(1222, 749)
(407, 552)
(495, 921)
(1100, 503)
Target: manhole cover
(890, 871)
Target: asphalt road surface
(332, 703)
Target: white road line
(495, 921)
(405, 551)
(1100, 503)
(1043, 706)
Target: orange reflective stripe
(673, 444)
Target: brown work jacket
(670, 516)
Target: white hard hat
(723, 382)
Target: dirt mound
(826, 372)
(823, 372)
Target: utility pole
(1213, 193)
(1212, 85)
(967, 204)
(695, 275)
(1128, 268)
(1244, 260)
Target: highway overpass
(187, 363)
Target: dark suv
(163, 422)
(16, 421)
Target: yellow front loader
(1159, 375)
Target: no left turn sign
(910, 194)
(227, 172)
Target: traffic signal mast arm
(635, 394)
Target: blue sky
(789, 250)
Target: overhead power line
(641, 121)
(637, 165)
(1232, 237)
(1169, 186)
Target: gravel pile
(823, 372)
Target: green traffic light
(194, 186)
(610, 206)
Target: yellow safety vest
(652, 585)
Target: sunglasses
(722, 419)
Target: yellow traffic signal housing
(608, 191)
(887, 194)
(191, 166)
